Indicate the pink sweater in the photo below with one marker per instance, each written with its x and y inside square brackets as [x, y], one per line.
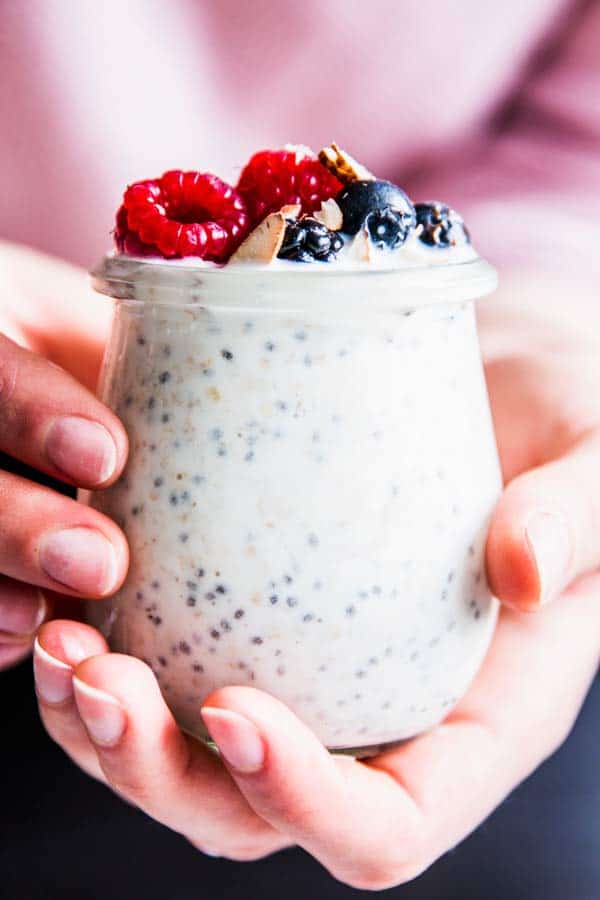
[491, 106]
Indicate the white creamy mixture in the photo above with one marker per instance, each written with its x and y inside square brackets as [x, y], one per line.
[311, 473]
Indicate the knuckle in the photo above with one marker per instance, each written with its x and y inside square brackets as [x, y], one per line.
[132, 788]
[301, 817]
[246, 854]
[244, 851]
[389, 869]
[381, 876]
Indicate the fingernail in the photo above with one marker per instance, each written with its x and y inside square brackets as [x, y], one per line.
[102, 715]
[237, 738]
[53, 677]
[21, 613]
[80, 558]
[550, 542]
[82, 449]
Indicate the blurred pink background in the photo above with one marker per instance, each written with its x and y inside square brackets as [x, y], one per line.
[491, 106]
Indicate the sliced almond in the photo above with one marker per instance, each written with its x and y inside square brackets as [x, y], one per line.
[362, 247]
[330, 215]
[343, 166]
[264, 243]
[291, 211]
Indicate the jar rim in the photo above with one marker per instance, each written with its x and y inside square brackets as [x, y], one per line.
[164, 282]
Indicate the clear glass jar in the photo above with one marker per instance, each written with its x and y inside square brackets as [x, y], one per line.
[312, 469]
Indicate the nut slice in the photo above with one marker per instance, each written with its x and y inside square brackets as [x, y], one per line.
[330, 215]
[362, 249]
[343, 166]
[264, 243]
[291, 211]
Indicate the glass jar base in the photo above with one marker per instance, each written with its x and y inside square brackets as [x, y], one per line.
[368, 751]
[357, 752]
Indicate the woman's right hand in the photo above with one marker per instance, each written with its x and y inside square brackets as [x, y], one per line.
[51, 547]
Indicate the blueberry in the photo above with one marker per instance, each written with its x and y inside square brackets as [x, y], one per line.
[317, 240]
[307, 240]
[293, 239]
[359, 198]
[441, 226]
[337, 241]
[386, 228]
[303, 256]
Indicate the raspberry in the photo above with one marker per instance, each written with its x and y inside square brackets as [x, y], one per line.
[181, 214]
[275, 178]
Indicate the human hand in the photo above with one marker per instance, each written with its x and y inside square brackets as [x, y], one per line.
[377, 823]
[51, 422]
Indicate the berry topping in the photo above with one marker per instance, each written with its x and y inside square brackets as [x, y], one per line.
[181, 214]
[274, 178]
[359, 198]
[308, 241]
[386, 228]
[440, 226]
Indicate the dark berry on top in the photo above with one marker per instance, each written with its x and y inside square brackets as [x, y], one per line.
[359, 198]
[306, 240]
[440, 226]
[386, 228]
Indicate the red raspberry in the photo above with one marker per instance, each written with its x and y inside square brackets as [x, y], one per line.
[274, 178]
[181, 214]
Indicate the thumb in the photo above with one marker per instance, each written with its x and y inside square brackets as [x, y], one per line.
[545, 530]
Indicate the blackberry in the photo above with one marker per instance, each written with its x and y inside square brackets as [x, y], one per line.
[360, 198]
[306, 240]
[441, 226]
[386, 228]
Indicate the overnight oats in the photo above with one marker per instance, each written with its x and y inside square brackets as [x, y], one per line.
[312, 463]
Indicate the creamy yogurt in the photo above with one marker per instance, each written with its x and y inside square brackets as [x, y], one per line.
[312, 470]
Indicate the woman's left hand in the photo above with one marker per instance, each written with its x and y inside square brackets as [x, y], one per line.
[378, 823]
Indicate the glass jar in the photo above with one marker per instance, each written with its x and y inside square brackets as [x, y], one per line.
[312, 469]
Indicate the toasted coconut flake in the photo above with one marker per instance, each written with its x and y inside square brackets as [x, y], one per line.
[343, 166]
[291, 211]
[362, 247]
[264, 243]
[330, 215]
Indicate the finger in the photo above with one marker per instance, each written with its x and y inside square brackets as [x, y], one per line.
[49, 421]
[23, 608]
[145, 757]
[377, 824]
[544, 529]
[349, 817]
[60, 646]
[53, 542]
